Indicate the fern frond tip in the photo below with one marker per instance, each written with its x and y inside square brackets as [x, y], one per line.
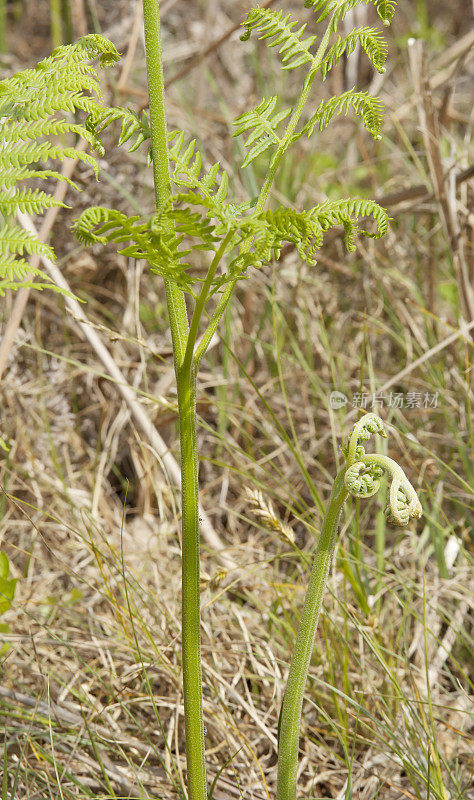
[93, 45]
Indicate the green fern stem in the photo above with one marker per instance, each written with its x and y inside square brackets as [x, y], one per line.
[290, 719]
[56, 22]
[360, 477]
[186, 384]
[161, 173]
[190, 614]
[201, 302]
[294, 119]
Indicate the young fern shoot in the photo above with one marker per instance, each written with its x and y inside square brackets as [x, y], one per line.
[360, 477]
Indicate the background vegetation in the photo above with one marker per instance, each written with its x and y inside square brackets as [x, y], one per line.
[90, 696]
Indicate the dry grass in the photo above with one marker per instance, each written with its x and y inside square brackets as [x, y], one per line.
[90, 696]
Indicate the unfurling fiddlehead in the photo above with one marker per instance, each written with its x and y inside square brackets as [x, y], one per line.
[363, 473]
[360, 477]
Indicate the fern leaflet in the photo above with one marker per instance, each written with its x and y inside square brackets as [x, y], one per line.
[364, 105]
[132, 127]
[263, 126]
[339, 8]
[14, 269]
[187, 171]
[293, 49]
[305, 230]
[151, 240]
[370, 39]
[346, 213]
[30, 201]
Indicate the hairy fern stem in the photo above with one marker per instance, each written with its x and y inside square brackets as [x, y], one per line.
[290, 718]
[186, 385]
[190, 613]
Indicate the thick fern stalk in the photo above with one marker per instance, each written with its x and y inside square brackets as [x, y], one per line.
[186, 382]
[290, 718]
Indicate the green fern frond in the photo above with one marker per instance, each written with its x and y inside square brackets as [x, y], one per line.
[32, 131]
[14, 269]
[385, 9]
[365, 106]
[346, 213]
[98, 225]
[27, 153]
[227, 213]
[193, 225]
[39, 285]
[293, 49]
[149, 240]
[9, 180]
[14, 239]
[263, 126]
[87, 48]
[59, 82]
[370, 40]
[269, 230]
[339, 8]
[265, 235]
[273, 228]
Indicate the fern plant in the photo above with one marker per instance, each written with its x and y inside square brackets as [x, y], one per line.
[194, 218]
[194, 213]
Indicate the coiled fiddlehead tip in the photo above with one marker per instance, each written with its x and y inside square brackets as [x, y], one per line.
[363, 429]
[363, 473]
[362, 480]
[367, 425]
